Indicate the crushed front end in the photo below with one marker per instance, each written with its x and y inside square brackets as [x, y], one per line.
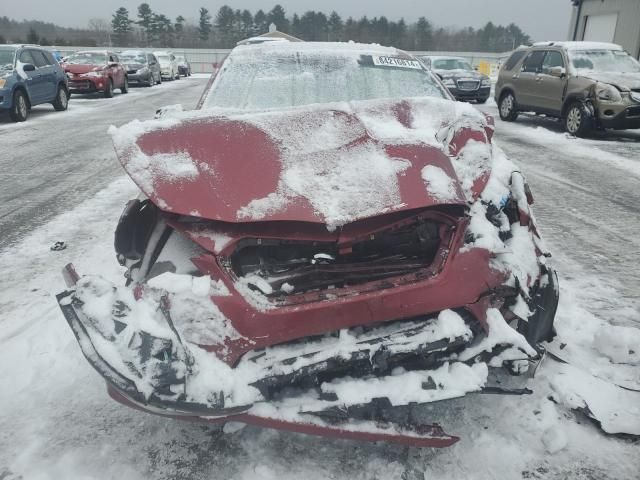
[336, 328]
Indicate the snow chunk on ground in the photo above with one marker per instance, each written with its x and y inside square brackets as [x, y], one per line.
[619, 344]
[439, 184]
[617, 409]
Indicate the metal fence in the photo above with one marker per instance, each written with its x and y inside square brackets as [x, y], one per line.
[205, 60]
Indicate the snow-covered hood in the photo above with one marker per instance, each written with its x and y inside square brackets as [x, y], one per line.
[624, 81]
[330, 164]
[80, 68]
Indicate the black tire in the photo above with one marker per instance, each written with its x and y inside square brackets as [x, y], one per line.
[159, 79]
[61, 101]
[507, 107]
[108, 89]
[578, 119]
[125, 86]
[19, 111]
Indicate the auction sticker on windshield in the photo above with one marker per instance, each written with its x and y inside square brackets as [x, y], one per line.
[383, 61]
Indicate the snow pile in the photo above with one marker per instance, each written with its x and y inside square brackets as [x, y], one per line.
[473, 161]
[439, 184]
[619, 344]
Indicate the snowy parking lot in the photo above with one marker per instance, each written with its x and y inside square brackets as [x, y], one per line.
[60, 182]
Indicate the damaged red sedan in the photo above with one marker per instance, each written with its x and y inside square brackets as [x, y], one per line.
[327, 242]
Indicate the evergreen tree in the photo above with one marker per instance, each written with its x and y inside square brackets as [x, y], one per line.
[423, 34]
[32, 36]
[335, 27]
[121, 26]
[2, 40]
[260, 23]
[204, 26]
[278, 16]
[225, 19]
[145, 15]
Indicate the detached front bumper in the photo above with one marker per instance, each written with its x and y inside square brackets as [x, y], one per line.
[436, 363]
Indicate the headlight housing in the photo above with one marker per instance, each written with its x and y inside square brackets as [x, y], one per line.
[448, 82]
[143, 70]
[98, 73]
[635, 96]
[486, 82]
[2, 82]
[608, 93]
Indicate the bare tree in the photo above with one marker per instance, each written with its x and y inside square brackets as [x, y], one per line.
[102, 30]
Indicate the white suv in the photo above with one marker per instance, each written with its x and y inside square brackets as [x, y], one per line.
[168, 65]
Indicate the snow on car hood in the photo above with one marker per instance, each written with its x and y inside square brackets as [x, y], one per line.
[624, 81]
[330, 164]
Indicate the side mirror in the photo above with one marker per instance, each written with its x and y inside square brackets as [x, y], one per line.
[559, 72]
[28, 67]
[476, 68]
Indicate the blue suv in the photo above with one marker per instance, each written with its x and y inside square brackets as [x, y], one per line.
[30, 75]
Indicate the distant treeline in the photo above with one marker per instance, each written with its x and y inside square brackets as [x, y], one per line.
[146, 27]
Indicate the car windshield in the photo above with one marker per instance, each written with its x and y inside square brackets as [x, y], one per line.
[87, 58]
[604, 61]
[450, 64]
[280, 79]
[163, 58]
[7, 57]
[133, 58]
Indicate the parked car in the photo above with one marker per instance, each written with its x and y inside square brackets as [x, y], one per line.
[460, 78]
[96, 71]
[327, 240]
[586, 84]
[184, 67]
[168, 65]
[142, 67]
[29, 76]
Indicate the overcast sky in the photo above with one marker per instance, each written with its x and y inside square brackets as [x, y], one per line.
[542, 19]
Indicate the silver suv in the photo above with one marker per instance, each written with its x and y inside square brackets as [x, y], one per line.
[586, 84]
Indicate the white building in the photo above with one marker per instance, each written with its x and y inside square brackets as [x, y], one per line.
[616, 21]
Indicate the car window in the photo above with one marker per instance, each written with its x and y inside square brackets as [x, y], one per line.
[533, 62]
[49, 57]
[26, 57]
[151, 58]
[514, 59]
[552, 59]
[39, 59]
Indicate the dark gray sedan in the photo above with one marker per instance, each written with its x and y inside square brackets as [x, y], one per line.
[142, 67]
[460, 78]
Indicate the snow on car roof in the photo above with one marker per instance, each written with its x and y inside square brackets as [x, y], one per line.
[581, 45]
[331, 48]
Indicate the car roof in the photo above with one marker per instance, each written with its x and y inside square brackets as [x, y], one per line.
[580, 45]
[444, 57]
[328, 48]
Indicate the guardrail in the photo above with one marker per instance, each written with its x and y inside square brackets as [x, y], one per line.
[205, 60]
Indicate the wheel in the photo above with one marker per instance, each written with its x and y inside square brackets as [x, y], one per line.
[177, 76]
[159, 79]
[108, 89]
[125, 86]
[508, 108]
[578, 120]
[61, 101]
[20, 109]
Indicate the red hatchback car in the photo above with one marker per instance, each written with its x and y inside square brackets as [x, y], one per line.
[326, 243]
[95, 71]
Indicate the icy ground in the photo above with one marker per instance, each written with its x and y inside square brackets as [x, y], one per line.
[56, 421]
